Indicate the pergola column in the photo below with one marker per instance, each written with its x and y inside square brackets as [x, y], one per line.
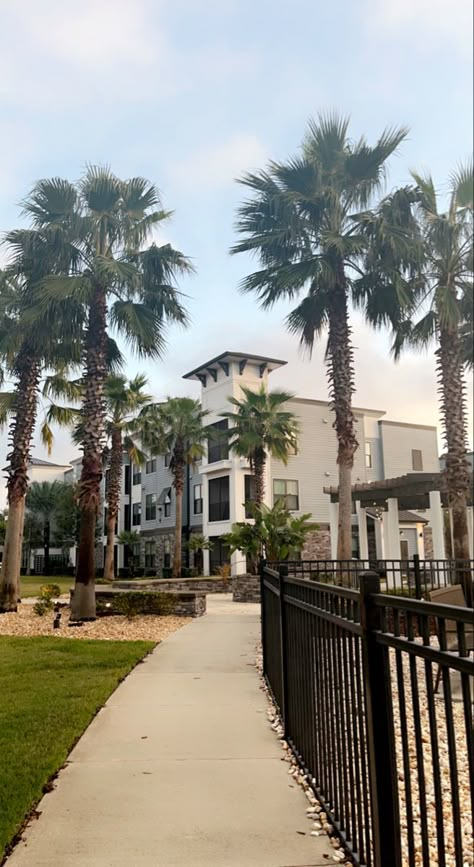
[363, 539]
[333, 527]
[437, 525]
[470, 531]
[379, 538]
[393, 530]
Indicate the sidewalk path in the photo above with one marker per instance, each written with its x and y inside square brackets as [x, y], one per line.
[180, 768]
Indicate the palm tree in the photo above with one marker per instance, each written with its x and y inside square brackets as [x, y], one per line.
[301, 221]
[124, 399]
[28, 343]
[123, 287]
[43, 500]
[443, 302]
[260, 425]
[176, 428]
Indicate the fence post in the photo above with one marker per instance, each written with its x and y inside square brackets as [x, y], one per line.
[383, 778]
[263, 563]
[417, 571]
[283, 573]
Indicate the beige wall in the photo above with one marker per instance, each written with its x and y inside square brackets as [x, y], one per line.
[399, 439]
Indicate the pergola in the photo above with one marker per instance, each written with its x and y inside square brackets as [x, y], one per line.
[413, 491]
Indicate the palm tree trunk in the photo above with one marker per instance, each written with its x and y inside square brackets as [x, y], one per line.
[178, 486]
[259, 476]
[28, 371]
[453, 409]
[113, 499]
[83, 603]
[341, 378]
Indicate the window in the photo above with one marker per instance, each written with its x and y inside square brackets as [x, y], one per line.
[136, 554]
[126, 518]
[218, 554]
[150, 507]
[136, 514]
[164, 502]
[149, 555]
[198, 499]
[217, 443]
[167, 459]
[219, 499]
[150, 466]
[167, 505]
[136, 475]
[417, 459]
[368, 455]
[127, 479]
[287, 491]
[249, 494]
[167, 555]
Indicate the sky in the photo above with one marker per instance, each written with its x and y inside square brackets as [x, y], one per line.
[191, 94]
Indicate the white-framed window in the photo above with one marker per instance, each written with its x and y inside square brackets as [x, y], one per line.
[287, 490]
[368, 455]
[197, 499]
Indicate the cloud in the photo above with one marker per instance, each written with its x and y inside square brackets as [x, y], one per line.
[425, 21]
[216, 166]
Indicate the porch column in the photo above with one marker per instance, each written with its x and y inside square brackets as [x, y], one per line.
[470, 531]
[206, 562]
[363, 540]
[437, 525]
[333, 526]
[393, 528]
[379, 538]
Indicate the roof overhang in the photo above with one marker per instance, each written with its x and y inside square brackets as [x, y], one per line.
[411, 490]
[223, 360]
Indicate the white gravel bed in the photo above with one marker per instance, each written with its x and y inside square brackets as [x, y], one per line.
[319, 819]
[113, 628]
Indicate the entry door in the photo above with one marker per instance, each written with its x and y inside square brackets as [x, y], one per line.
[408, 543]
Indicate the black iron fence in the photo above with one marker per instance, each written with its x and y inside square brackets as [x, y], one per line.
[411, 577]
[375, 695]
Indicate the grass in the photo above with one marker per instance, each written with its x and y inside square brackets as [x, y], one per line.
[50, 689]
[30, 584]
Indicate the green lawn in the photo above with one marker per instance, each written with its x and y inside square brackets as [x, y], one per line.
[50, 689]
[30, 584]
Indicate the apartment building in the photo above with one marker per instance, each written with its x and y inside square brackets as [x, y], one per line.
[217, 489]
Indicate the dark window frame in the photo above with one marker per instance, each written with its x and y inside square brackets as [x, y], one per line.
[219, 508]
[136, 514]
[150, 507]
[249, 488]
[150, 555]
[218, 446]
[150, 466]
[136, 475]
[368, 455]
[417, 457]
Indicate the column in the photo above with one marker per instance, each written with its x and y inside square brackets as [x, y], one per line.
[437, 525]
[333, 527]
[394, 550]
[206, 562]
[470, 531]
[379, 538]
[363, 540]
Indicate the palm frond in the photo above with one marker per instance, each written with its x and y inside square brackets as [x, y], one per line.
[462, 186]
[140, 327]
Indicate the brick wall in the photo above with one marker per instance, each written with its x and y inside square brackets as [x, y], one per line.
[317, 545]
[246, 588]
[198, 585]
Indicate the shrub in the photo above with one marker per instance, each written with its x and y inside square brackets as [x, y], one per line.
[124, 572]
[224, 572]
[140, 602]
[43, 605]
[139, 572]
[50, 591]
[150, 573]
[167, 572]
[189, 572]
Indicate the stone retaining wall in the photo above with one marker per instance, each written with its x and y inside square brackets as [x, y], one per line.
[186, 603]
[246, 588]
[317, 545]
[196, 585]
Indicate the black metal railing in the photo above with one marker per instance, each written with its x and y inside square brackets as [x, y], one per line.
[413, 577]
[374, 692]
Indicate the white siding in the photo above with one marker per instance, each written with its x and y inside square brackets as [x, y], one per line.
[398, 440]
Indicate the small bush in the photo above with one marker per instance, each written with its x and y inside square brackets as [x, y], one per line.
[187, 572]
[167, 572]
[43, 605]
[124, 572]
[135, 603]
[50, 591]
[150, 573]
[139, 572]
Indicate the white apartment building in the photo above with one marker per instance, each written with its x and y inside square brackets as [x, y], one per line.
[217, 489]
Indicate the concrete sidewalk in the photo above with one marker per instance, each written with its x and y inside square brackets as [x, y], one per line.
[180, 767]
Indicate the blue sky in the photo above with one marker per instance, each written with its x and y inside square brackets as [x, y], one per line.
[191, 93]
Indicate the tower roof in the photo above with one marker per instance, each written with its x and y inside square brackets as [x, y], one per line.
[242, 358]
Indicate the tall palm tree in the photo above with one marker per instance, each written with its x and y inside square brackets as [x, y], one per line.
[124, 399]
[261, 425]
[176, 428]
[43, 501]
[122, 286]
[29, 343]
[443, 315]
[301, 221]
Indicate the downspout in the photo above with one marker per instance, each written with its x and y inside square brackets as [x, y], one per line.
[188, 513]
